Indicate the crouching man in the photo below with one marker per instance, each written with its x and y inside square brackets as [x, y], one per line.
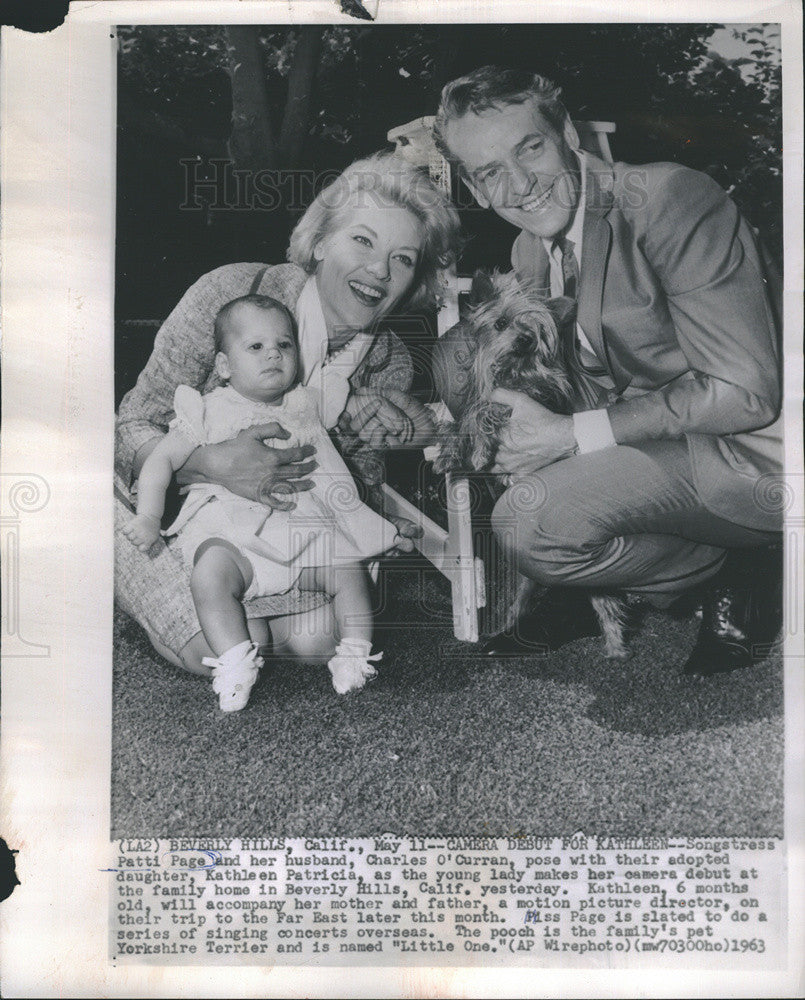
[658, 486]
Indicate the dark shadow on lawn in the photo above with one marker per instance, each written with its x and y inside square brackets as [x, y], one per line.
[646, 695]
[649, 694]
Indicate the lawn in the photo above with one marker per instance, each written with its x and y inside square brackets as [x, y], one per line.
[443, 742]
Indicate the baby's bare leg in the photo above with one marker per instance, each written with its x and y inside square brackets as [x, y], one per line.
[221, 576]
[352, 665]
[348, 585]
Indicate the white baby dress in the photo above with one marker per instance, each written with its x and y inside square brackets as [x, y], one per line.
[330, 525]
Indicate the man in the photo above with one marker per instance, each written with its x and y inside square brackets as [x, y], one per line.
[674, 350]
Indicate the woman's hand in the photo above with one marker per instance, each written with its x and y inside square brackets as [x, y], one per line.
[391, 419]
[248, 467]
[407, 531]
[533, 438]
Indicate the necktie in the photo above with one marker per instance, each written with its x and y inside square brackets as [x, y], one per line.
[584, 364]
[570, 268]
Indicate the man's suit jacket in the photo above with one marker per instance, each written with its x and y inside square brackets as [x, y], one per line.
[675, 299]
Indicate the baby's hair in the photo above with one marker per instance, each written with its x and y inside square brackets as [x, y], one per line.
[262, 302]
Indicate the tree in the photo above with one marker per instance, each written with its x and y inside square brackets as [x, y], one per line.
[254, 144]
[298, 104]
[320, 96]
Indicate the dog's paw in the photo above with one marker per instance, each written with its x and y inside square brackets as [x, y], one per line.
[452, 444]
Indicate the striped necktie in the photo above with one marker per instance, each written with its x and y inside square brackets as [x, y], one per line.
[570, 268]
[584, 364]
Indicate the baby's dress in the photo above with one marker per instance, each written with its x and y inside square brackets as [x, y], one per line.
[330, 525]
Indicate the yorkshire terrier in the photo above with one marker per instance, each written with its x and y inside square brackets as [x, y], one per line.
[513, 342]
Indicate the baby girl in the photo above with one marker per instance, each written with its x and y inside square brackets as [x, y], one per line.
[240, 549]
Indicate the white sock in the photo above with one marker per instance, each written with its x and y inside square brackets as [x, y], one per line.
[235, 654]
[354, 647]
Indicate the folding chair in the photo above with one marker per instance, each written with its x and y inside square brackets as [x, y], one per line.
[451, 551]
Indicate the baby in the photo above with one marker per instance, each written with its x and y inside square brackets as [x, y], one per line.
[240, 549]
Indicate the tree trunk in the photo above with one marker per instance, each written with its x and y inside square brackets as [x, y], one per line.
[252, 144]
[443, 64]
[301, 80]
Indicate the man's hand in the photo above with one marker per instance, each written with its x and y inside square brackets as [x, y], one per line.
[391, 419]
[248, 467]
[142, 530]
[533, 438]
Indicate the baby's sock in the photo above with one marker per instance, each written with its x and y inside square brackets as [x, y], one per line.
[351, 667]
[354, 647]
[234, 674]
[235, 654]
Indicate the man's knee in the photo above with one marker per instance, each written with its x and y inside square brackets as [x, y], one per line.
[519, 519]
[537, 547]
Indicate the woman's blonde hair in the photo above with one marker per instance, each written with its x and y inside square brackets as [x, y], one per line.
[400, 182]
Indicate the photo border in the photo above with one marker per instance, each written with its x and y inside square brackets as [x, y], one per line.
[57, 252]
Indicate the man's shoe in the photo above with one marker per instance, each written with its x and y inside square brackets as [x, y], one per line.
[560, 616]
[723, 643]
[741, 614]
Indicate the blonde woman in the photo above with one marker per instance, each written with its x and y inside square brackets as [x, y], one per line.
[371, 243]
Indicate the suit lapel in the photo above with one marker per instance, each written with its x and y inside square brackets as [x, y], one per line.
[594, 260]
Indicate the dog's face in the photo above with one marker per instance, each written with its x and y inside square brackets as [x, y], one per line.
[516, 341]
[515, 344]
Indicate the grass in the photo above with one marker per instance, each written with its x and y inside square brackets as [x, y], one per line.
[444, 743]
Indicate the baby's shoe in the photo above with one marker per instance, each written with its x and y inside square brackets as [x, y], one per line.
[351, 667]
[234, 674]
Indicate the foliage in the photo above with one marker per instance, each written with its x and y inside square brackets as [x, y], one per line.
[756, 182]
[670, 96]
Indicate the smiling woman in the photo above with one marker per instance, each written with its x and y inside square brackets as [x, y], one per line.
[372, 242]
[366, 265]
[383, 186]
